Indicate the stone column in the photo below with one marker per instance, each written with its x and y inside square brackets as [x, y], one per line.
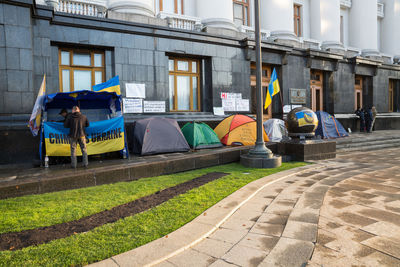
[138, 7]
[277, 17]
[216, 13]
[363, 26]
[325, 23]
[390, 25]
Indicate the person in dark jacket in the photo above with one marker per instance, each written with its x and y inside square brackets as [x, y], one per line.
[360, 113]
[77, 122]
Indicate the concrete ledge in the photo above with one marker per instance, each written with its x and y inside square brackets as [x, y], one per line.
[200, 228]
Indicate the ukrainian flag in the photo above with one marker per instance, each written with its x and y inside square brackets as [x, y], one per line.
[273, 89]
[111, 85]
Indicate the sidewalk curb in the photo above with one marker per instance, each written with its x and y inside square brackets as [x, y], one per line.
[201, 227]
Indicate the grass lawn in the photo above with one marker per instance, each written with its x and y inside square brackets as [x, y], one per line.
[103, 242]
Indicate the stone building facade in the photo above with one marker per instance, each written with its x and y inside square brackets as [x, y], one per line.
[188, 52]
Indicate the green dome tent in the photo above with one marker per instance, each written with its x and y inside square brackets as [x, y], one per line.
[200, 135]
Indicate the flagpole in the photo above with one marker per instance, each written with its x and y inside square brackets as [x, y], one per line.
[281, 95]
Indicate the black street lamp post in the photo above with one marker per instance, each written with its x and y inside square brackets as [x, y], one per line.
[260, 156]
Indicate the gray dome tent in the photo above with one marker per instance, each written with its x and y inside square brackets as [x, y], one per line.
[158, 135]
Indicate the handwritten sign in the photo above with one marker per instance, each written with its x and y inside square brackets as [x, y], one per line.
[229, 104]
[242, 105]
[133, 105]
[154, 106]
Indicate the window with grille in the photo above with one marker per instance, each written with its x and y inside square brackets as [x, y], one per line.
[80, 69]
[184, 84]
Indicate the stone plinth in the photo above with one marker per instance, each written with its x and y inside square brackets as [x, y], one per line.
[303, 150]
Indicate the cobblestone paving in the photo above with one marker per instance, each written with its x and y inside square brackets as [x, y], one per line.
[343, 213]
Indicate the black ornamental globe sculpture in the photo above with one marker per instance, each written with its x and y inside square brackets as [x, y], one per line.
[301, 121]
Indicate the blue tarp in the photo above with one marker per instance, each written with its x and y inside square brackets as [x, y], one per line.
[84, 99]
[329, 127]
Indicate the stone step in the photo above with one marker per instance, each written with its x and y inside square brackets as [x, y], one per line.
[362, 144]
[369, 148]
[365, 139]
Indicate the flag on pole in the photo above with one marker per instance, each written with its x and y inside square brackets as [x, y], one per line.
[36, 116]
[111, 85]
[273, 89]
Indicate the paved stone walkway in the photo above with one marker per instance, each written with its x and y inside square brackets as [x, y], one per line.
[346, 213]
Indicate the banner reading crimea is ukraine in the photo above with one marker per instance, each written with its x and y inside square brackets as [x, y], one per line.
[103, 136]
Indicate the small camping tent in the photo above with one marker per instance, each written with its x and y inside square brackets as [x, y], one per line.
[329, 127]
[200, 135]
[275, 129]
[238, 129]
[158, 135]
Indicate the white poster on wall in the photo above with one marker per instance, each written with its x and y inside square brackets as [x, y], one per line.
[154, 106]
[132, 105]
[229, 104]
[219, 111]
[242, 105]
[137, 90]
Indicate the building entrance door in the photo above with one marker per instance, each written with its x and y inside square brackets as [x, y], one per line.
[391, 95]
[266, 77]
[358, 93]
[316, 86]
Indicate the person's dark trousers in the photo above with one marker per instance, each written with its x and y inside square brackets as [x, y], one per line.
[362, 125]
[368, 125]
[82, 144]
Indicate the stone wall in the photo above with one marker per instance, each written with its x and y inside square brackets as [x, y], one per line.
[30, 38]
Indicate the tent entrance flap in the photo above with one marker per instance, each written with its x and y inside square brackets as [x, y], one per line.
[329, 127]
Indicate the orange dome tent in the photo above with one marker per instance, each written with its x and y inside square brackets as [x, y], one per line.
[238, 129]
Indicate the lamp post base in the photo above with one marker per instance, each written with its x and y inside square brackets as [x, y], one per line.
[252, 160]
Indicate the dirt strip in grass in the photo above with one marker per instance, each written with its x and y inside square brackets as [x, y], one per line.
[18, 240]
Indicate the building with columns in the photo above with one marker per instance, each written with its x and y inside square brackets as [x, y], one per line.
[336, 54]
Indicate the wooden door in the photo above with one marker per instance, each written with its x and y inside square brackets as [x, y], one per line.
[358, 95]
[316, 86]
[391, 95]
[266, 77]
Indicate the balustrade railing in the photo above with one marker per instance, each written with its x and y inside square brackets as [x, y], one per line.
[181, 22]
[249, 31]
[82, 8]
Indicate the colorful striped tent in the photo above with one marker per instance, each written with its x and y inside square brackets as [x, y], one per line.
[238, 130]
